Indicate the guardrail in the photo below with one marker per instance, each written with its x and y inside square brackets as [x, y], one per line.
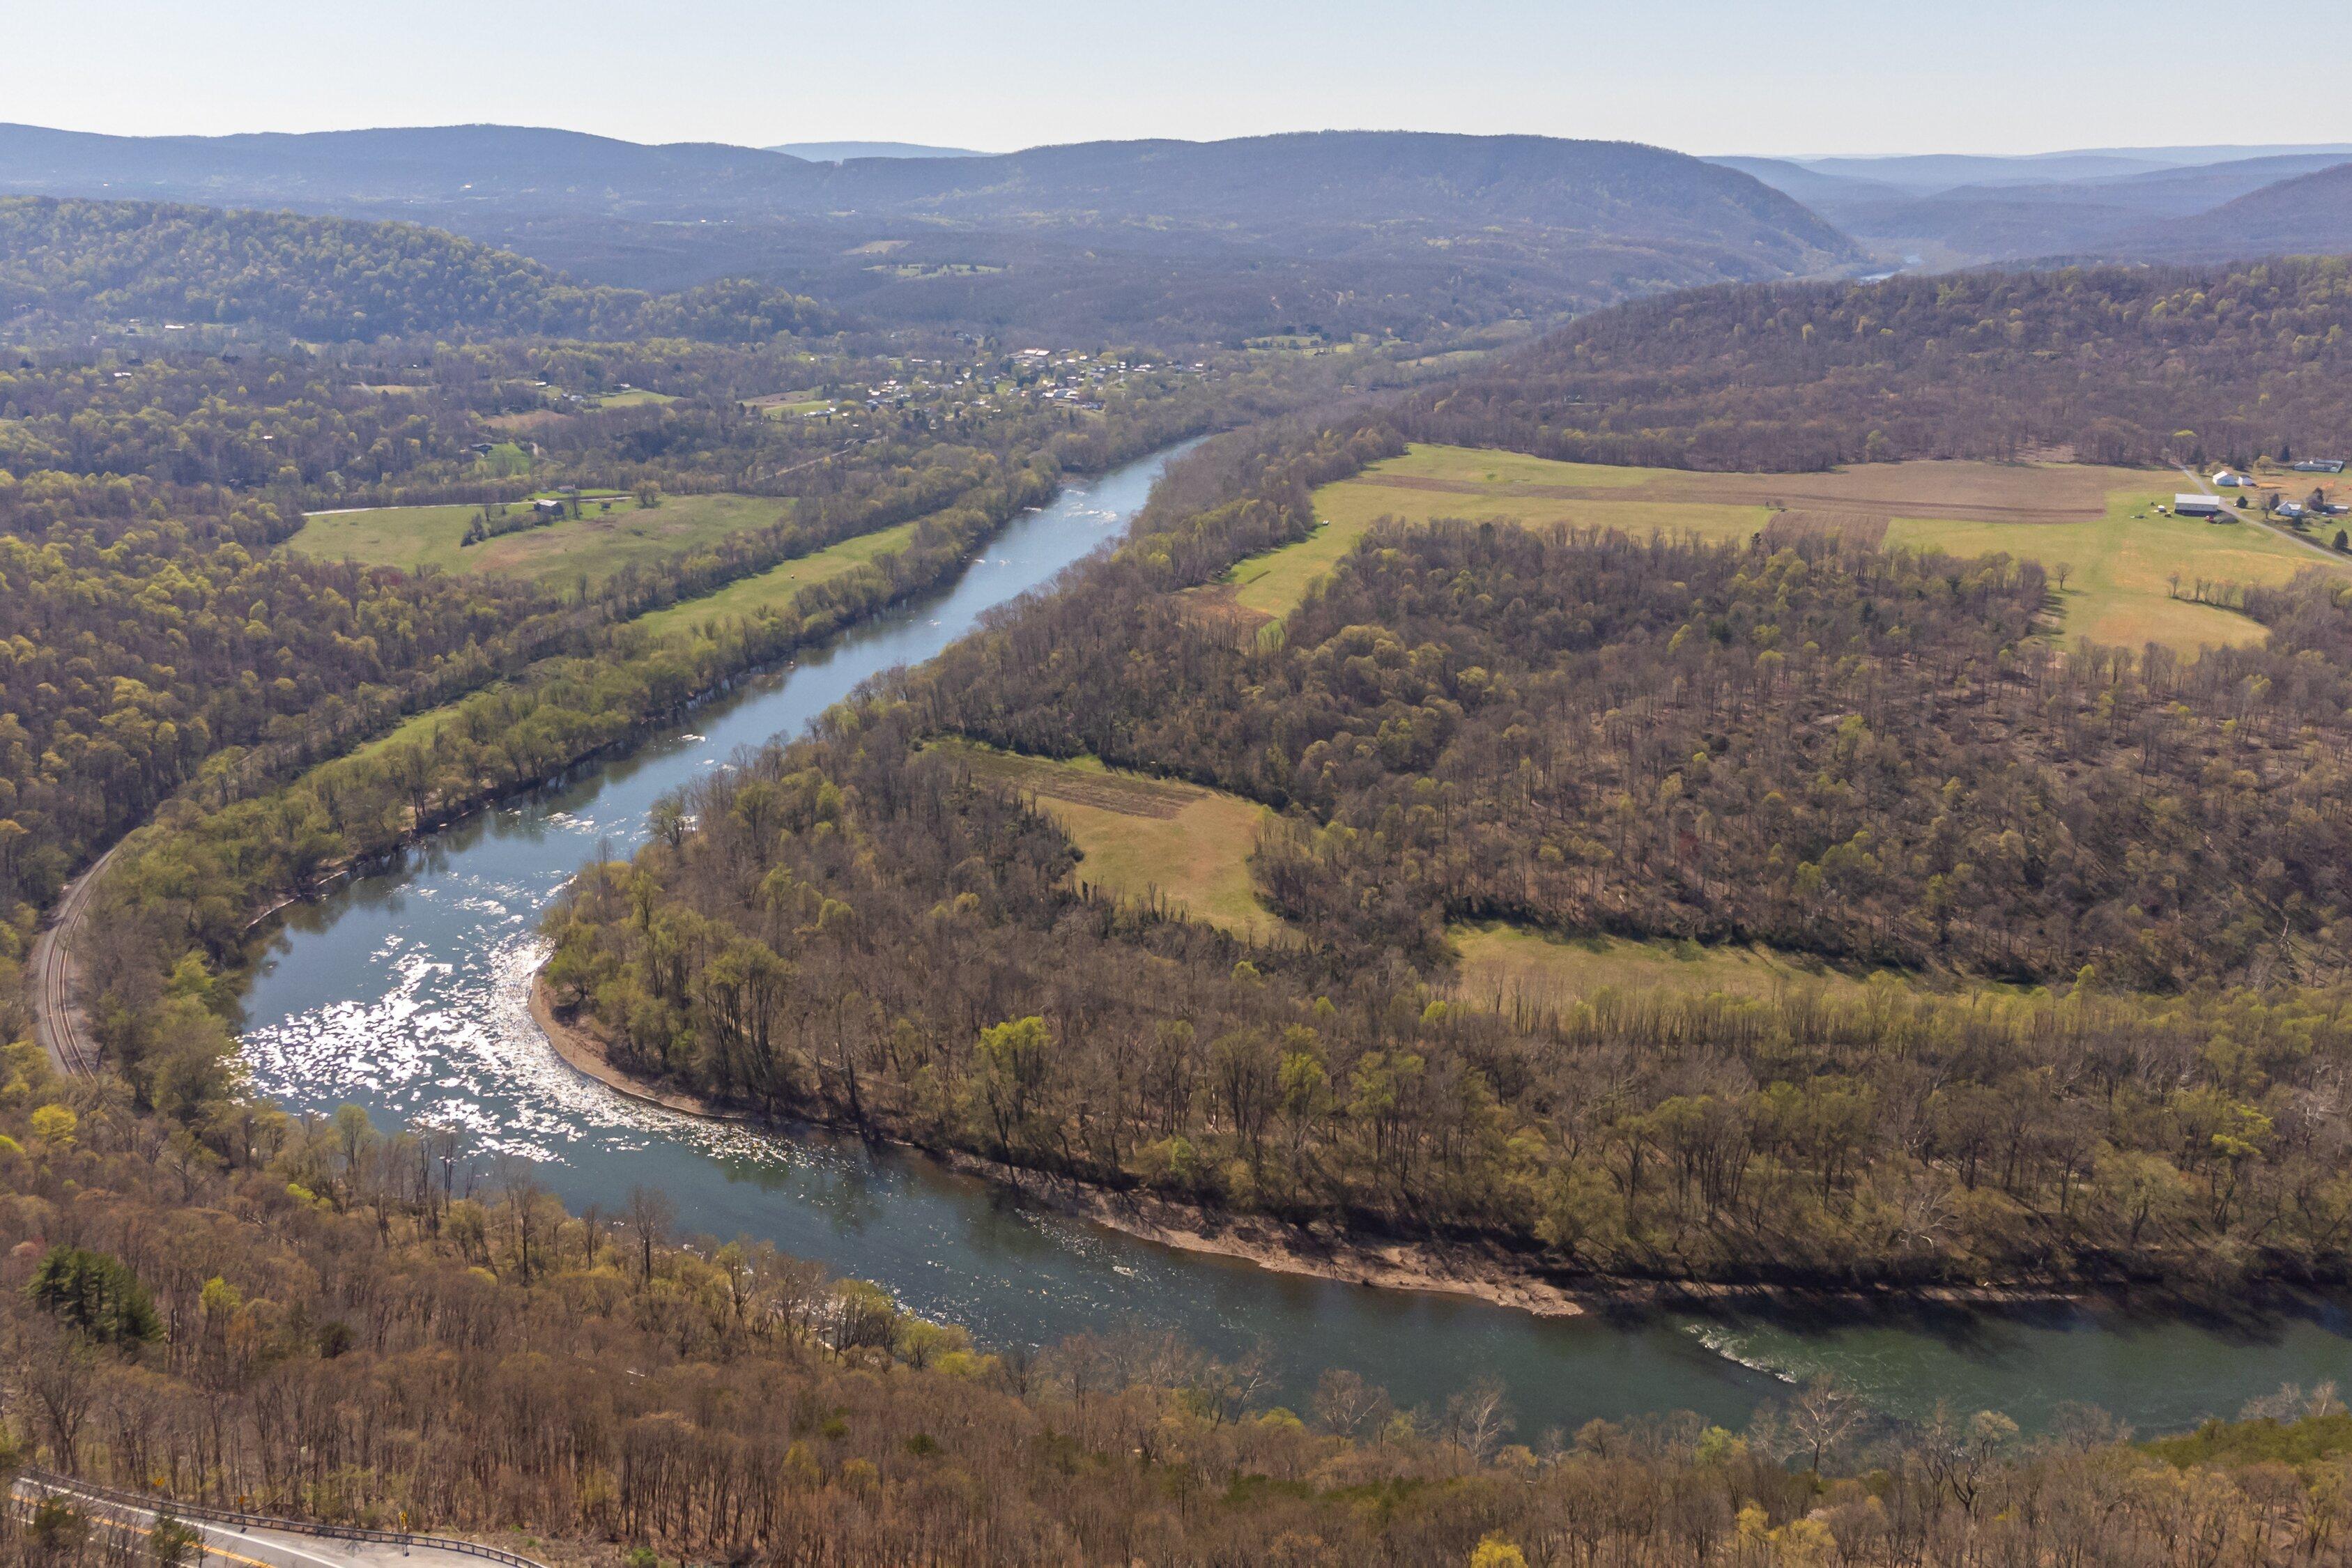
[115, 1497]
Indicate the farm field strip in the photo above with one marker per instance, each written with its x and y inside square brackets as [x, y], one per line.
[596, 544]
[2100, 522]
[775, 588]
[772, 589]
[1506, 966]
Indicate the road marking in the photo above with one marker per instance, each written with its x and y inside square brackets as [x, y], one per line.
[108, 1513]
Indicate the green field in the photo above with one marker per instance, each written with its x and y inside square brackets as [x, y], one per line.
[1274, 583]
[636, 398]
[774, 589]
[596, 544]
[742, 597]
[2100, 522]
[795, 409]
[2119, 592]
[1142, 837]
[1504, 963]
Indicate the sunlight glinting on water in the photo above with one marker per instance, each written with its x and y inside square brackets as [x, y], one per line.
[406, 991]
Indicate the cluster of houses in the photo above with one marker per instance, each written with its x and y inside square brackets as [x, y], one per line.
[2215, 506]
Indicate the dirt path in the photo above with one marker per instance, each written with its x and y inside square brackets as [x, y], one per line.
[2286, 533]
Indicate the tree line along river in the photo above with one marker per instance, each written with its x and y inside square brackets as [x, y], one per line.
[405, 992]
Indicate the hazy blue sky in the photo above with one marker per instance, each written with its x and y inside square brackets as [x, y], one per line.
[1709, 75]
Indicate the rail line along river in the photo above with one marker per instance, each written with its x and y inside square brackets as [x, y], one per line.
[405, 992]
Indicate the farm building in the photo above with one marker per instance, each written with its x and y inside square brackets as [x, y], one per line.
[2197, 506]
[2227, 478]
[2320, 466]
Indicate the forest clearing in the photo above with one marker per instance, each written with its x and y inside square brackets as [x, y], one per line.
[1145, 839]
[1510, 968]
[2134, 575]
[594, 545]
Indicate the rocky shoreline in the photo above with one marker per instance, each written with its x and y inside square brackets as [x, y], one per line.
[1484, 1274]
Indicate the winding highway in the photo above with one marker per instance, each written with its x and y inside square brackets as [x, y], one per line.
[251, 1541]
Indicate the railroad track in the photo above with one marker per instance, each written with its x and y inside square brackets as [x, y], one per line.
[55, 1022]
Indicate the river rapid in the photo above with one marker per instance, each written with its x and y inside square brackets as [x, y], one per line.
[405, 992]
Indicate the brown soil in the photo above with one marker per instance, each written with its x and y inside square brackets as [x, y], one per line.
[1965, 492]
[587, 1054]
[1121, 792]
[1867, 529]
[1217, 607]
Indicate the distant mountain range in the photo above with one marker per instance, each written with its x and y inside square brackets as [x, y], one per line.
[1329, 233]
[842, 151]
[2123, 204]
[1332, 232]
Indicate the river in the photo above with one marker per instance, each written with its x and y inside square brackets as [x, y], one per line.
[404, 992]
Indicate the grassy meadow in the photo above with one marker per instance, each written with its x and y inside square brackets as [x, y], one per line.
[2100, 522]
[596, 544]
[1503, 965]
[775, 588]
[1142, 837]
[2120, 590]
[636, 398]
[772, 589]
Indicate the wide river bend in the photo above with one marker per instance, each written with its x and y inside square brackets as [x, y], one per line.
[404, 992]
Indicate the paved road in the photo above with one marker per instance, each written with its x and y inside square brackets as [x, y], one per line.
[257, 1547]
[56, 1024]
[2314, 545]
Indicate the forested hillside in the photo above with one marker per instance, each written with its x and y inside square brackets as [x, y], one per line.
[158, 639]
[1169, 242]
[1853, 755]
[496, 420]
[73, 264]
[2309, 213]
[140, 642]
[2106, 365]
[1862, 755]
[341, 1321]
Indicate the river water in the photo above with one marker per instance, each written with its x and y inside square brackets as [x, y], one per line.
[404, 992]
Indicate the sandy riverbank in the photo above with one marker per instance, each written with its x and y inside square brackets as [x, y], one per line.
[1484, 1275]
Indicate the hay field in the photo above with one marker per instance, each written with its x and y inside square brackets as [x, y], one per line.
[1143, 837]
[594, 545]
[2098, 521]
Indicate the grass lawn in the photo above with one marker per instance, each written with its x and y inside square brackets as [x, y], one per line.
[774, 588]
[1430, 482]
[416, 727]
[2119, 592]
[596, 544]
[1141, 836]
[636, 398]
[741, 597]
[789, 405]
[1502, 963]
[2100, 521]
